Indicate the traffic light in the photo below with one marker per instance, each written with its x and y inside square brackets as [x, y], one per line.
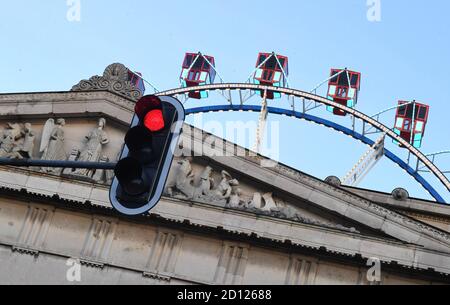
[144, 164]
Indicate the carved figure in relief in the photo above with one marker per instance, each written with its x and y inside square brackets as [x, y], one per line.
[181, 180]
[52, 143]
[8, 139]
[206, 183]
[235, 198]
[25, 149]
[269, 203]
[256, 202]
[225, 187]
[96, 139]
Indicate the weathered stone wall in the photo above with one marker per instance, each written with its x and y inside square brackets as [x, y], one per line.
[36, 240]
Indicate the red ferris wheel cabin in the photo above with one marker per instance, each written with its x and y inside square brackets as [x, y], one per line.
[197, 70]
[343, 88]
[271, 70]
[411, 130]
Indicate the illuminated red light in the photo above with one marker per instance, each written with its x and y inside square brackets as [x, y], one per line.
[154, 120]
[146, 104]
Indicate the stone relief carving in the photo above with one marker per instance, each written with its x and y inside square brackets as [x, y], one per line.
[269, 203]
[17, 142]
[115, 79]
[52, 144]
[25, 149]
[206, 184]
[256, 202]
[101, 175]
[72, 157]
[182, 184]
[235, 198]
[9, 138]
[227, 193]
[225, 187]
[93, 149]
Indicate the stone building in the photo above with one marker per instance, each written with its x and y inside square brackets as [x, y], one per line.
[223, 219]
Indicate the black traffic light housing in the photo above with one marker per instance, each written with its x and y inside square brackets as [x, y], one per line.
[144, 164]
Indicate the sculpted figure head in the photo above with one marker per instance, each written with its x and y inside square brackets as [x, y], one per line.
[207, 173]
[61, 122]
[27, 127]
[102, 123]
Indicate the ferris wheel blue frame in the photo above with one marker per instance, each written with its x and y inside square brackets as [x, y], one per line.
[309, 97]
[317, 120]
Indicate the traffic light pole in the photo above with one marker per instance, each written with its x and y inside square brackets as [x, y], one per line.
[57, 164]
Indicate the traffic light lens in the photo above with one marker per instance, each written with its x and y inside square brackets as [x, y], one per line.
[139, 142]
[129, 173]
[147, 104]
[154, 120]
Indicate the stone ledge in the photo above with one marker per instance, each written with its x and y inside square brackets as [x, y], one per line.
[67, 104]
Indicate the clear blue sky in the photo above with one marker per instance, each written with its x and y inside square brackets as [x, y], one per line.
[404, 56]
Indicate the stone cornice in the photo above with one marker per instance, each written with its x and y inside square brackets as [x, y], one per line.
[362, 202]
[68, 104]
[441, 220]
[410, 205]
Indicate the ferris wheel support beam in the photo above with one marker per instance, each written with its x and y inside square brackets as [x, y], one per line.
[314, 91]
[413, 127]
[302, 94]
[261, 125]
[326, 81]
[365, 163]
[258, 67]
[377, 117]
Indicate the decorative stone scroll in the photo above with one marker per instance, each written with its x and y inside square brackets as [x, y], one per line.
[114, 79]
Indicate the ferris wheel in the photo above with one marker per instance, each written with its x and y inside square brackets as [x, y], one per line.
[269, 80]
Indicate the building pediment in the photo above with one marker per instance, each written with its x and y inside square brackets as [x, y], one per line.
[242, 182]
